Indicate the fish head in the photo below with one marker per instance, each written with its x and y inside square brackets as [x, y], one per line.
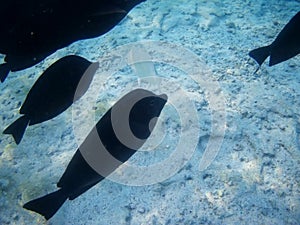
[144, 114]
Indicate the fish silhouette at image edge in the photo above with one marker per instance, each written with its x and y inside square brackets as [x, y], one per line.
[53, 92]
[33, 30]
[79, 175]
[285, 46]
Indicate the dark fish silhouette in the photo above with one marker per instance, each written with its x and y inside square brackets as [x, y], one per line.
[285, 46]
[53, 92]
[81, 175]
[35, 29]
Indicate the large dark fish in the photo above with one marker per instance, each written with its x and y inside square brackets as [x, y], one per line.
[35, 29]
[285, 46]
[81, 174]
[53, 92]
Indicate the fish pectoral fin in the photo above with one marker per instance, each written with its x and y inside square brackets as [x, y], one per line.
[260, 54]
[17, 128]
[47, 205]
[109, 11]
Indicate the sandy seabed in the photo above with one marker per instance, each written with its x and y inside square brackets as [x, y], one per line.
[255, 177]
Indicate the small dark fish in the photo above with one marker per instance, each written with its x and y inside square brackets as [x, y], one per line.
[285, 46]
[80, 175]
[33, 30]
[54, 92]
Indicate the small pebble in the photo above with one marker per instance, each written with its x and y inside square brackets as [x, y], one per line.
[141, 210]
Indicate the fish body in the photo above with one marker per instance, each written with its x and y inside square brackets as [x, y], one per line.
[33, 30]
[53, 92]
[81, 174]
[285, 46]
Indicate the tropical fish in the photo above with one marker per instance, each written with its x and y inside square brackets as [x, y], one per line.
[33, 30]
[54, 92]
[136, 110]
[285, 46]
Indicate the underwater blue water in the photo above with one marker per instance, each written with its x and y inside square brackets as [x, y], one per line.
[235, 134]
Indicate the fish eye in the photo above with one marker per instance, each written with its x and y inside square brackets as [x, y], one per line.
[152, 102]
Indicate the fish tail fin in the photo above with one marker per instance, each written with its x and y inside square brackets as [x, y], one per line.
[17, 128]
[260, 54]
[256, 70]
[47, 205]
[4, 70]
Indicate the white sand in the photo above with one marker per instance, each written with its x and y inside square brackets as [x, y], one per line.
[255, 178]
